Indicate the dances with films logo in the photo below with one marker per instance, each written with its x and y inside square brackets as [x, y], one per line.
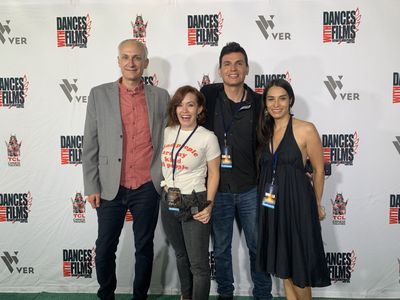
[70, 90]
[204, 30]
[150, 80]
[139, 29]
[394, 209]
[79, 208]
[15, 207]
[341, 26]
[7, 36]
[335, 89]
[340, 148]
[341, 265]
[261, 80]
[267, 28]
[73, 31]
[13, 91]
[339, 209]
[78, 262]
[11, 262]
[396, 88]
[13, 151]
[71, 149]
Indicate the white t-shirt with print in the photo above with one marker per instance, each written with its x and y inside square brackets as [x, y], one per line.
[191, 165]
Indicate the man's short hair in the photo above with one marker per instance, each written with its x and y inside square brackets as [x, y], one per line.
[138, 43]
[232, 47]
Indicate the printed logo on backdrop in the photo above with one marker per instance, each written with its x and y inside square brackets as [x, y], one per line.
[340, 148]
[15, 207]
[13, 91]
[261, 80]
[339, 210]
[71, 149]
[128, 216]
[341, 265]
[73, 31]
[150, 80]
[211, 259]
[335, 89]
[204, 81]
[398, 261]
[139, 29]
[79, 208]
[396, 88]
[204, 30]
[394, 209]
[267, 28]
[340, 26]
[11, 261]
[14, 151]
[6, 35]
[70, 89]
[397, 144]
[78, 262]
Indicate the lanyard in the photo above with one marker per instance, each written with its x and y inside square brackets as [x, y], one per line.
[180, 148]
[274, 161]
[227, 127]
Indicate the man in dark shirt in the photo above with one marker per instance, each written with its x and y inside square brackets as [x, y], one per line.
[232, 113]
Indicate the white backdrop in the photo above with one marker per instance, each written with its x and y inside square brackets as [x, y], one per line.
[349, 88]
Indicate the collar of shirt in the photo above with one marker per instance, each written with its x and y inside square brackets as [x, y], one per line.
[124, 90]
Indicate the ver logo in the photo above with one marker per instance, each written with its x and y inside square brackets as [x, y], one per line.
[9, 260]
[70, 90]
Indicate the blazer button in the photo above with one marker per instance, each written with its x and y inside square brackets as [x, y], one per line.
[121, 136]
[119, 159]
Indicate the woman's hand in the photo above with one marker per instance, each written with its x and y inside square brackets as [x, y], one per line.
[205, 215]
[321, 212]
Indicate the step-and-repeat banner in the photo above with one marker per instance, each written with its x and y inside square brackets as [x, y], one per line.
[342, 58]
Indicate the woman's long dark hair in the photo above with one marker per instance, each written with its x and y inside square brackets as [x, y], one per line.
[266, 123]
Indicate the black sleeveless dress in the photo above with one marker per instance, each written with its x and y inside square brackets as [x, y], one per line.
[290, 243]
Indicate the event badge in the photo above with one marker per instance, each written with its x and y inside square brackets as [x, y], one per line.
[270, 195]
[226, 158]
[271, 189]
[174, 199]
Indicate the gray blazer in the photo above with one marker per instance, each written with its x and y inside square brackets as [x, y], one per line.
[102, 145]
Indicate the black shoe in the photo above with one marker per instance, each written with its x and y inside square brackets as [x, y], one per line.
[220, 297]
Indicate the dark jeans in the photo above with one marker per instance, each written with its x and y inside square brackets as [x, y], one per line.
[143, 203]
[190, 240]
[223, 217]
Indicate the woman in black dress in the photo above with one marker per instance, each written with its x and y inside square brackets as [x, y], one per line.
[290, 243]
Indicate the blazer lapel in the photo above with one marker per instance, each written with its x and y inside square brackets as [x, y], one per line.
[150, 101]
[113, 97]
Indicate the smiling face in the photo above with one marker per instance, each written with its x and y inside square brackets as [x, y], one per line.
[132, 61]
[187, 112]
[233, 69]
[277, 102]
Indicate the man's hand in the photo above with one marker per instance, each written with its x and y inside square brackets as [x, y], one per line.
[94, 200]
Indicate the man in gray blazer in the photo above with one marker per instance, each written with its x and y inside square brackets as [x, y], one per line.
[123, 136]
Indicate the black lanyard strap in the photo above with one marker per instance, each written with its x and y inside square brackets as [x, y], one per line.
[180, 148]
[274, 160]
[227, 127]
